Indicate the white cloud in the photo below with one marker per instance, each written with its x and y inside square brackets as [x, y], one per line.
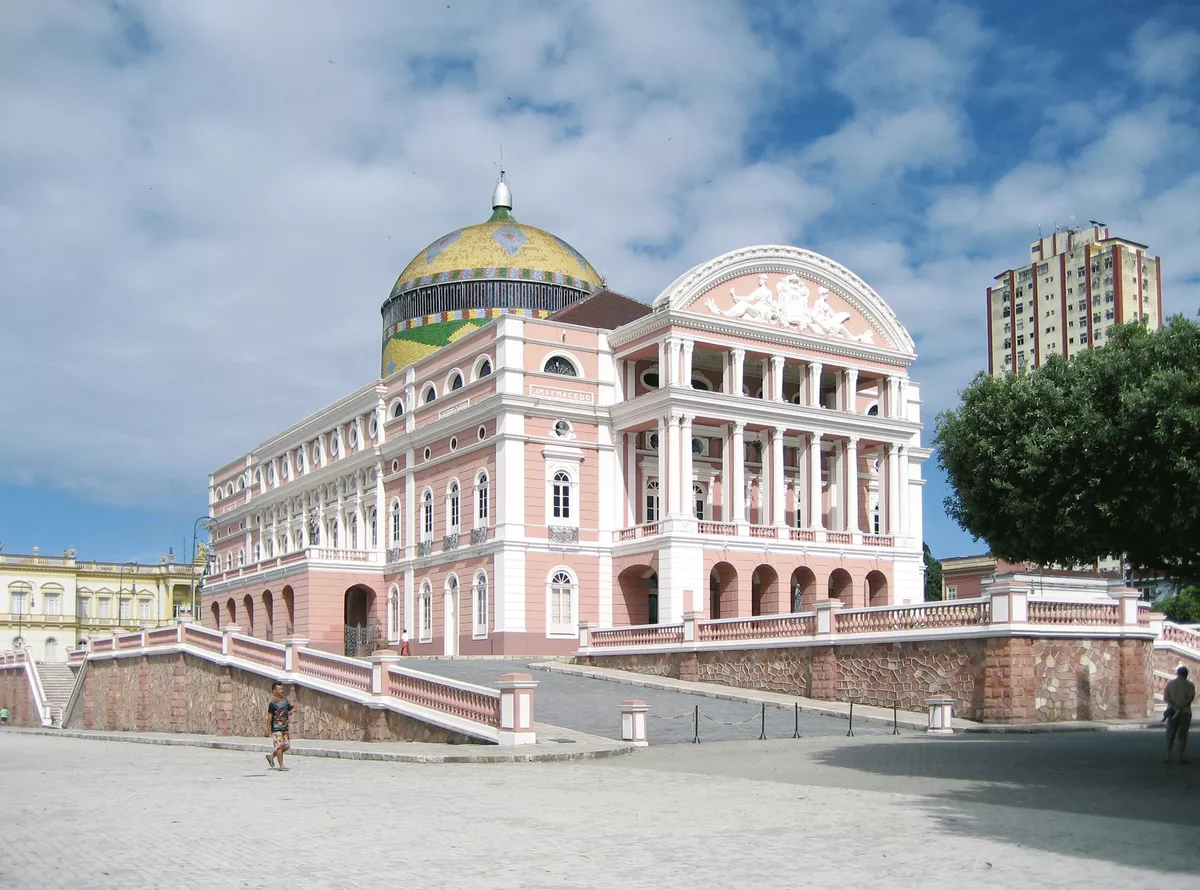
[1162, 55]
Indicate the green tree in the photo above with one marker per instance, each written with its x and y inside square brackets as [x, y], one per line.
[1082, 458]
[1182, 609]
[933, 576]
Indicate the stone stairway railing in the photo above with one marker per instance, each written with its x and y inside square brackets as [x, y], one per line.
[23, 661]
[499, 716]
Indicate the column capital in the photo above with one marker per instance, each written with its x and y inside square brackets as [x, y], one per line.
[777, 361]
[739, 426]
[892, 448]
[674, 418]
[852, 442]
[688, 345]
[814, 437]
[686, 419]
[777, 432]
[737, 352]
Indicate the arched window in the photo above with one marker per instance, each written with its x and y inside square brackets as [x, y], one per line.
[873, 411]
[485, 368]
[560, 365]
[561, 605]
[258, 552]
[561, 496]
[228, 561]
[429, 395]
[453, 508]
[479, 600]
[425, 631]
[353, 542]
[396, 521]
[241, 483]
[51, 649]
[314, 531]
[394, 613]
[699, 501]
[652, 501]
[482, 499]
[258, 478]
[21, 595]
[397, 409]
[456, 381]
[374, 527]
[241, 561]
[427, 515]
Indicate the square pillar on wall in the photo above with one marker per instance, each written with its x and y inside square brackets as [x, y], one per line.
[778, 483]
[737, 374]
[814, 480]
[814, 384]
[852, 484]
[669, 478]
[685, 464]
[737, 483]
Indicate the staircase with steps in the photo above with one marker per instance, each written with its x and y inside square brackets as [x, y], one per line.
[58, 680]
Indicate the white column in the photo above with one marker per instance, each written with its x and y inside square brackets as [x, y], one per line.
[726, 473]
[851, 391]
[381, 510]
[631, 492]
[814, 384]
[814, 480]
[670, 478]
[904, 493]
[685, 377]
[852, 484]
[735, 382]
[737, 484]
[778, 483]
[685, 464]
[672, 372]
[766, 378]
[337, 519]
[776, 378]
[893, 484]
[893, 390]
[902, 399]
[662, 363]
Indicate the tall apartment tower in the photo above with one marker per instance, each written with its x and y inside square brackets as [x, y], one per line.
[1077, 284]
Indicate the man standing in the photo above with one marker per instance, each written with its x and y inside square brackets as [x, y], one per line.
[3, 716]
[404, 642]
[1179, 695]
[279, 717]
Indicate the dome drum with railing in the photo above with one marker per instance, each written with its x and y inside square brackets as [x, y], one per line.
[477, 273]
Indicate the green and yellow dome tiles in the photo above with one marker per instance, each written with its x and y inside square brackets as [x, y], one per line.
[499, 249]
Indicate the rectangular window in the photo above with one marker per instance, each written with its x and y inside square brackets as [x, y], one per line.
[83, 608]
[483, 506]
[1108, 262]
[126, 610]
[1043, 268]
[395, 523]
[19, 604]
[1004, 297]
[144, 609]
[52, 604]
[1081, 272]
[481, 607]
[952, 592]
[1021, 340]
[1020, 308]
[426, 617]
[105, 608]
[428, 522]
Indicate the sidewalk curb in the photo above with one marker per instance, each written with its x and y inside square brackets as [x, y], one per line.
[906, 719]
[338, 753]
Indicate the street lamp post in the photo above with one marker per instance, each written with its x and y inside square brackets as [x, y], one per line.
[210, 526]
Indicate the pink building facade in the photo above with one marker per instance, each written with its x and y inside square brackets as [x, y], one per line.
[748, 444]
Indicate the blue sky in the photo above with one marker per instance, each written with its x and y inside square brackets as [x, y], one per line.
[203, 205]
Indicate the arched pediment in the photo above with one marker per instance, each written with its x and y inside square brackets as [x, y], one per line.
[788, 288]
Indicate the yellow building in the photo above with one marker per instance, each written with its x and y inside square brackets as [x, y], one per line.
[50, 604]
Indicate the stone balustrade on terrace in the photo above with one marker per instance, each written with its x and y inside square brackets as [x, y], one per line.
[764, 532]
[474, 710]
[893, 622]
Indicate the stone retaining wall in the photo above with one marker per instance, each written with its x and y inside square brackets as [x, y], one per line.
[17, 696]
[177, 692]
[998, 680]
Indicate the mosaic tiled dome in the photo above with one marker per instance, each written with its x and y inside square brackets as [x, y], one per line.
[476, 273]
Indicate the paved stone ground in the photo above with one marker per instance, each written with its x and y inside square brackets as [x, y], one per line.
[1098, 810]
[594, 706]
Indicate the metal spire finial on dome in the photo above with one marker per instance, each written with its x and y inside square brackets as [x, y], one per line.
[501, 197]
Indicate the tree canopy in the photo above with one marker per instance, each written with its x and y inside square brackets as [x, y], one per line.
[933, 575]
[1086, 457]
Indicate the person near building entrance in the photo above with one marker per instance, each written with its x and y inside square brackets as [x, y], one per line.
[279, 717]
[1179, 695]
[3, 716]
[404, 642]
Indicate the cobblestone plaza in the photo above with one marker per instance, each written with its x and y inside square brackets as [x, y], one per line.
[870, 811]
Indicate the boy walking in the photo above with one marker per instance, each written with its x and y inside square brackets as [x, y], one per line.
[1179, 695]
[279, 719]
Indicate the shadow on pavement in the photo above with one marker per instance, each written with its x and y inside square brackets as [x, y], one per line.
[1116, 774]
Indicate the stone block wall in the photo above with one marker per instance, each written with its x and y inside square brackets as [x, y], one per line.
[17, 696]
[176, 692]
[1167, 661]
[999, 680]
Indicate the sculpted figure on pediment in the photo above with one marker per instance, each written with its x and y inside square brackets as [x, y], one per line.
[833, 324]
[758, 305]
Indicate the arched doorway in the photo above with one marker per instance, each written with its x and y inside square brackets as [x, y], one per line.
[216, 615]
[637, 600]
[268, 602]
[248, 608]
[841, 587]
[722, 591]
[357, 611]
[230, 611]
[450, 636]
[51, 649]
[877, 589]
[764, 592]
[289, 608]
[804, 590]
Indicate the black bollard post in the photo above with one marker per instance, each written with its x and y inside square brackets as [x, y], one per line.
[850, 730]
[696, 725]
[796, 731]
[895, 723]
[762, 733]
